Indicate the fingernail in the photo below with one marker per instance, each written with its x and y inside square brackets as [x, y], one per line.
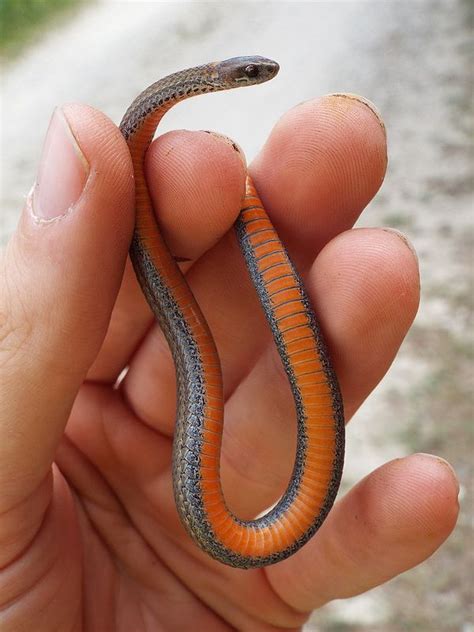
[62, 173]
[403, 238]
[364, 101]
[228, 141]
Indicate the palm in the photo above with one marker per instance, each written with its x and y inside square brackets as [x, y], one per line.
[112, 553]
[130, 536]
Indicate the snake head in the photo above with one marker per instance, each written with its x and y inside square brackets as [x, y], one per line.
[240, 71]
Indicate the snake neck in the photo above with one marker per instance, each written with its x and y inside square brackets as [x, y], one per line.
[153, 103]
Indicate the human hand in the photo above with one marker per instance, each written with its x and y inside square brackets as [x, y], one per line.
[94, 542]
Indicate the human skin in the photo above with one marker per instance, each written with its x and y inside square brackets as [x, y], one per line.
[89, 534]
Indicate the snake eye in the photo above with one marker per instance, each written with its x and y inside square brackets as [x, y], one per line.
[251, 71]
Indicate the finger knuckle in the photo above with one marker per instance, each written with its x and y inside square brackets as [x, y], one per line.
[16, 326]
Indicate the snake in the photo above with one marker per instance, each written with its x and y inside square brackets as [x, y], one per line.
[273, 536]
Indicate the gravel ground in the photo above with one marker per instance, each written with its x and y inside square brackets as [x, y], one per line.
[414, 61]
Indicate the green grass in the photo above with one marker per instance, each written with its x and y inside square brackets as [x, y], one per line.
[21, 21]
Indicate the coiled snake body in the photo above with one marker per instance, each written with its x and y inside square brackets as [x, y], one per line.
[199, 426]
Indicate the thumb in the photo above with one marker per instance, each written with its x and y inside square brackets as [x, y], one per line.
[59, 278]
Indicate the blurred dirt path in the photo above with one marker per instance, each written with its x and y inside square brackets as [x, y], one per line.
[413, 60]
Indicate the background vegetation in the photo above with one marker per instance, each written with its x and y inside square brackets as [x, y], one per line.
[21, 20]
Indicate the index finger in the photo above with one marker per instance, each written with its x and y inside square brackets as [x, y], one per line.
[196, 180]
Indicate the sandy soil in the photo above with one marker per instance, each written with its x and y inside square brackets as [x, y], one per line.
[414, 61]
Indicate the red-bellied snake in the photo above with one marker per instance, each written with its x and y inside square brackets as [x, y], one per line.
[200, 402]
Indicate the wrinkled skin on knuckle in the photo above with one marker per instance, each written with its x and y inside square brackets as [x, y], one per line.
[16, 326]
